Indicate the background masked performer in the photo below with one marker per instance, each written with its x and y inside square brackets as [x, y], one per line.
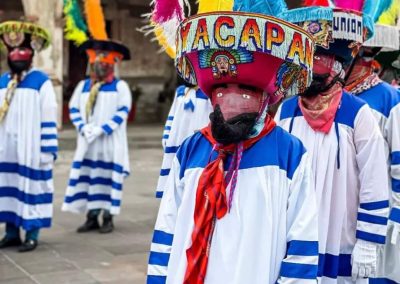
[345, 145]
[384, 100]
[99, 108]
[238, 205]
[28, 135]
[389, 67]
[189, 113]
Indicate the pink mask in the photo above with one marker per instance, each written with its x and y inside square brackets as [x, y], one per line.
[235, 99]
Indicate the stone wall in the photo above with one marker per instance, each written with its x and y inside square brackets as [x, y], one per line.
[148, 69]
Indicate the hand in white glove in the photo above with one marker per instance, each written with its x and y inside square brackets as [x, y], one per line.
[363, 260]
[86, 130]
[94, 134]
[395, 233]
[46, 158]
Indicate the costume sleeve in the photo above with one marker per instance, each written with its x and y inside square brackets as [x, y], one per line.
[48, 135]
[74, 107]
[165, 226]
[124, 106]
[392, 130]
[171, 115]
[301, 262]
[373, 178]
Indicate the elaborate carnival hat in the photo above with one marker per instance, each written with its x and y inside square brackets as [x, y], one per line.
[387, 37]
[386, 34]
[243, 44]
[339, 27]
[114, 49]
[26, 34]
[78, 31]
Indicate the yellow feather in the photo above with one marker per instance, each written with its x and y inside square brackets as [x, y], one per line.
[95, 19]
[159, 33]
[206, 6]
[73, 33]
[390, 16]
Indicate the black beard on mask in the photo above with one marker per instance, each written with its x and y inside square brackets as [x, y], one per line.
[233, 130]
[318, 85]
[17, 67]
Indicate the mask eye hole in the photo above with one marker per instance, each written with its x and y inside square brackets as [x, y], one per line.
[316, 57]
[219, 95]
[245, 96]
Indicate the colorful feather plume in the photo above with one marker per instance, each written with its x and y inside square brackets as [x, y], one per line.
[95, 19]
[323, 3]
[266, 7]
[206, 6]
[374, 8]
[164, 21]
[168, 47]
[350, 4]
[165, 10]
[75, 27]
[390, 16]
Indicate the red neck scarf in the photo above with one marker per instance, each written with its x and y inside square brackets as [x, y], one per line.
[212, 204]
[361, 70]
[362, 77]
[320, 111]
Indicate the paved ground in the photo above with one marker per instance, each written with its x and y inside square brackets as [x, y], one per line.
[67, 257]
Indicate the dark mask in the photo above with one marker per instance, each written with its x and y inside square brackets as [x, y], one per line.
[19, 66]
[319, 85]
[326, 75]
[233, 130]
[102, 71]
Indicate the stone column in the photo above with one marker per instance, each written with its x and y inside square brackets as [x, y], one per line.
[49, 15]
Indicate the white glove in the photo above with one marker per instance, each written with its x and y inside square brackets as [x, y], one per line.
[94, 134]
[395, 233]
[46, 158]
[86, 129]
[364, 260]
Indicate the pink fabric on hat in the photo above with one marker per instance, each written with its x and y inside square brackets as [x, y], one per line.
[261, 73]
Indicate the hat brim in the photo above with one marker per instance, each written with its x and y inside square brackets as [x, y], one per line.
[106, 45]
[337, 31]
[385, 37]
[386, 59]
[27, 28]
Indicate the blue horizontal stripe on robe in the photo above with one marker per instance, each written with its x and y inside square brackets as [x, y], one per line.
[98, 171]
[26, 185]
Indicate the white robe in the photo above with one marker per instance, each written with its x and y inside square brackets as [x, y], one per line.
[271, 230]
[189, 113]
[351, 181]
[99, 169]
[29, 129]
[384, 101]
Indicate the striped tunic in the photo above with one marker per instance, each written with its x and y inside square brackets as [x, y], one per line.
[99, 169]
[189, 113]
[28, 131]
[270, 233]
[384, 101]
[351, 182]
